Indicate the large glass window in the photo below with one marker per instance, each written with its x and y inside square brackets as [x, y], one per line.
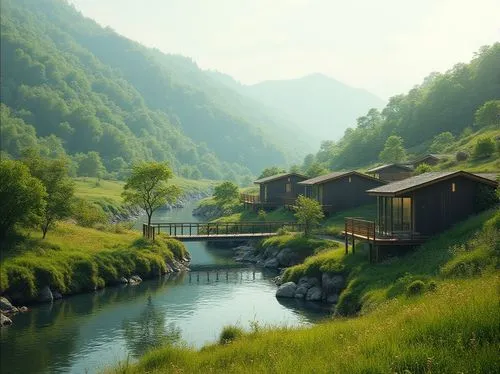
[394, 214]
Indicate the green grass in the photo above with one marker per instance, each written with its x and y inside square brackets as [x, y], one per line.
[277, 215]
[451, 330]
[73, 259]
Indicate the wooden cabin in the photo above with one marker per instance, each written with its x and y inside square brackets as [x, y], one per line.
[276, 191]
[341, 190]
[411, 210]
[391, 172]
[429, 159]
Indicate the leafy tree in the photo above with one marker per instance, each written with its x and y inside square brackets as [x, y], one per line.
[308, 212]
[295, 169]
[90, 165]
[316, 169]
[423, 168]
[441, 141]
[53, 173]
[226, 193]
[147, 187]
[269, 172]
[488, 114]
[87, 214]
[393, 150]
[21, 194]
[484, 148]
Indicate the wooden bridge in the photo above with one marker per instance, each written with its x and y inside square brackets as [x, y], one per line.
[217, 231]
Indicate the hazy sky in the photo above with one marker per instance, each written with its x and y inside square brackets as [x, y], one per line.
[384, 46]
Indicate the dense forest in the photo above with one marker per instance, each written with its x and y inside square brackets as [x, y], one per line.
[69, 86]
[443, 107]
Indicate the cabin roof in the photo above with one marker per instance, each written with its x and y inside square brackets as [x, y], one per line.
[336, 175]
[278, 176]
[431, 155]
[426, 179]
[386, 166]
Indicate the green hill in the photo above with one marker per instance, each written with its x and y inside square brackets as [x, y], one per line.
[80, 87]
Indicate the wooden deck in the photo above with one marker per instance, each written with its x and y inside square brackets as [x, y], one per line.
[254, 202]
[217, 231]
[361, 229]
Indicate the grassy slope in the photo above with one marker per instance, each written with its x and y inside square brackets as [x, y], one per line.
[450, 328]
[73, 259]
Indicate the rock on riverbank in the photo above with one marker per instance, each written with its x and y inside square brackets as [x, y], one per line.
[326, 289]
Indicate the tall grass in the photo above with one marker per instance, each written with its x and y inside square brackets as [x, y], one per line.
[451, 330]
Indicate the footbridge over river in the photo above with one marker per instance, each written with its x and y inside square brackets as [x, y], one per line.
[217, 231]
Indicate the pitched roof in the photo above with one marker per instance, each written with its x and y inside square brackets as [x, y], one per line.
[381, 167]
[425, 179]
[278, 176]
[492, 176]
[336, 175]
[436, 156]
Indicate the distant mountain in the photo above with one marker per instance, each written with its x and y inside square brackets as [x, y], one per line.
[320, 105]
[70, 82]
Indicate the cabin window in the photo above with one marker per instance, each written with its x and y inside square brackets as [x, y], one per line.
[453, 187]
[288, 187]
[349, 179]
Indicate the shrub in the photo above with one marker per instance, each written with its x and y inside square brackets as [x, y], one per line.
[87, 214]
[415, 288]
[484, 148]
[432, 286]
[423, 168]
[261, 215]
[229, 334]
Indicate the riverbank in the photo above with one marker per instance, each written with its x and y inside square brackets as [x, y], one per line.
[434, 309]
[74, 259]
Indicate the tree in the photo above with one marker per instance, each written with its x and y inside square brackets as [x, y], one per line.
[484, 148]
[441, 141]
[393, 150]
[423, 168]
[315, 170]
[147, 187]
[21, 194]
[226, 193]
[53, 173]
[269, 172]
[308, 212]
[295, 169]
[488, 114]
[90, 165]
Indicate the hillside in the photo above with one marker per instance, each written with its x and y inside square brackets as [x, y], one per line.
[448, 112]
[319, 105]
[68, 82]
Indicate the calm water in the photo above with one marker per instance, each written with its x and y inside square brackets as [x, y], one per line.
[85, 333]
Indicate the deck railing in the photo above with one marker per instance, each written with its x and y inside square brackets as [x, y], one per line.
[188, 229]
[249, 198]
[360, 226]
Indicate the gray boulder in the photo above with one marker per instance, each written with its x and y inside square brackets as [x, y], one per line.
[300, 292]
[314, 294]
[332, 299]
[271, 252]
[57, 295]
[5, 305]
[271, 263]
[287, 257]
[4, 320]
[286, 290]
[135, 279]
[45, 295]
[123, 280]
[332, 283]
[23, 309]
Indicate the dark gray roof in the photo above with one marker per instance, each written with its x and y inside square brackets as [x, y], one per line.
[278, 176]
[419, 181]
[335, 175]
[381, 167]
[492, 176]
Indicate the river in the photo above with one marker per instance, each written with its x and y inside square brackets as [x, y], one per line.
[89, 332]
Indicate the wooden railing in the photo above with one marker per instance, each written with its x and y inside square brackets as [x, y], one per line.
[359, 226]
[189, 229]
[249, 198]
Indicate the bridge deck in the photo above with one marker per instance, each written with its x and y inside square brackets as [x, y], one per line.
[215, 237]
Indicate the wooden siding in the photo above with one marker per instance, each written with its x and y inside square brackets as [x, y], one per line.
[437, 207]
[393, 173]
[276, 190]
[344, 193]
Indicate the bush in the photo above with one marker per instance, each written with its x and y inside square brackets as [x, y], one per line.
[415, 288]
[484, 148]
[261, 214]
[461, 156]
[230, 334]
[432, 286]
[423, 168]
[87, 214]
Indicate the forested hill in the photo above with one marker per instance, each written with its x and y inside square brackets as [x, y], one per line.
[320, 105]
[445, 109]
[69, 85]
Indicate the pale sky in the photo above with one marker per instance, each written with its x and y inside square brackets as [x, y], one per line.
[384, 46]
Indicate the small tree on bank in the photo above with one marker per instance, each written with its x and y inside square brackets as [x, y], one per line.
[147, 187]
[393, 150]
[308, 212]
